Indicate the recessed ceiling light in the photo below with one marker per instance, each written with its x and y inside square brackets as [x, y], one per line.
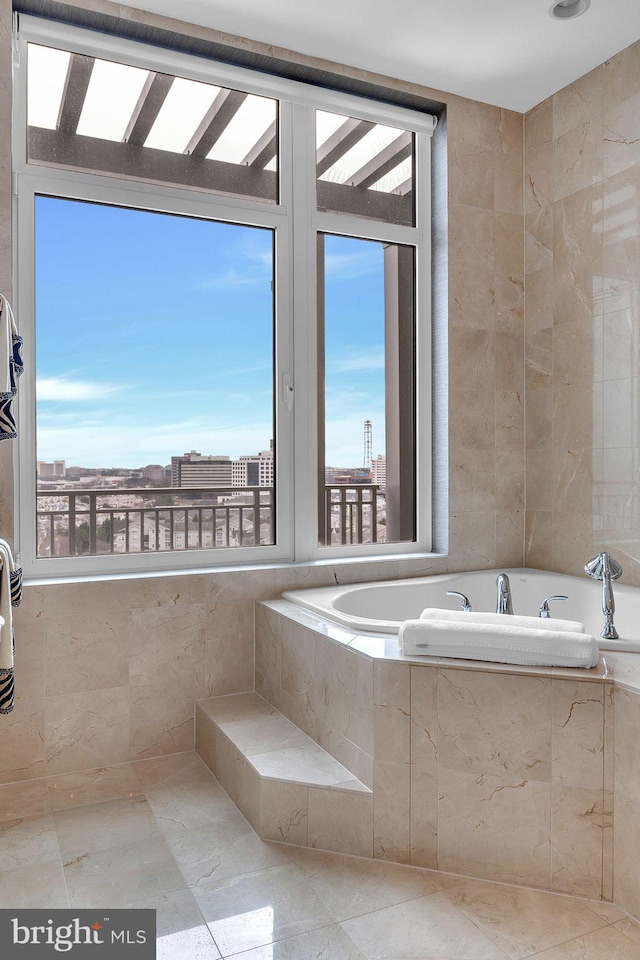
[569, 9]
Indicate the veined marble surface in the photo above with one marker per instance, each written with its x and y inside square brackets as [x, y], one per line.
[162, 834]
[485, 769]
[622, 668]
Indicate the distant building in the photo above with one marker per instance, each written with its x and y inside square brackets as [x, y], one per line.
[346, 475]
[379, 470]
[195, 470]
[253, 471]
[54, 468]
[154, 472]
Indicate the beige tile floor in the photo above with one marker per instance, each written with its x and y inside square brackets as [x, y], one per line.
[162, 833]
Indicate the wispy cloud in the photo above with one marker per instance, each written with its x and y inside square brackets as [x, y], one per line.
[350, 266]
[353, 360]
[134, 442]
[232, 279]
[72, 391]
[250, 262]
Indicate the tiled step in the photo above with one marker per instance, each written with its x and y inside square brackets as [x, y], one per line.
[287, 786]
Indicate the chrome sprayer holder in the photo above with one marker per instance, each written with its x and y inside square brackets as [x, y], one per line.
[605, 568]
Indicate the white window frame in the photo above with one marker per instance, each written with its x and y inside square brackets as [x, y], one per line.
[295, 221]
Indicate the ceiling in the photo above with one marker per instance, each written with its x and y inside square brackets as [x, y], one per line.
[510, 53]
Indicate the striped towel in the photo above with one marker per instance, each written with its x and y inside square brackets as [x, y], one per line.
[11, 367]
[7, 637]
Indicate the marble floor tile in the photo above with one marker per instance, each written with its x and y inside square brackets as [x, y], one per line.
[351, 886]
[121, 875]
[162, 834]
[26, 842]
[256, 909]
[221, 850]
[606, 911]
[101, 826]
[429, 928]
[520, 921]
[630, 927]
[188, 799]
[195, 943]
[181, 933]
[327, 943]
[38, 885]
[192, 807]
[604, 944]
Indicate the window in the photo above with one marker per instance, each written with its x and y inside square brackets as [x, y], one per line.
[223, 284]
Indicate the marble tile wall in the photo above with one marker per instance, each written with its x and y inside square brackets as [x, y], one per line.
[498, 775]
[110, 670]
[582, 316]
[582, 335]
[626, 808]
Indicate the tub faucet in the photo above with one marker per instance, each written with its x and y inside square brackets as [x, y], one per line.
[605, 568]
[504, 604]
[466, 605]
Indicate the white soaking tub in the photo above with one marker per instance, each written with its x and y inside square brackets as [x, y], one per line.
[381, 607]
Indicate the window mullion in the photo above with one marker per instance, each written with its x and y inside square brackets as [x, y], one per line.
[305, 345]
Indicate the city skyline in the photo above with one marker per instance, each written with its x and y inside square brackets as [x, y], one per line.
[129, 301]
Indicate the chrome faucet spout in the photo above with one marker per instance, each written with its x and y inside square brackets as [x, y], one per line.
[504, 603]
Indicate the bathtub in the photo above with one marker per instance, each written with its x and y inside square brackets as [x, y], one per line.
[380, 608]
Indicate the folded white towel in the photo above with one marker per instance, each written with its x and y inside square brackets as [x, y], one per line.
[501, 643]
[501, 619]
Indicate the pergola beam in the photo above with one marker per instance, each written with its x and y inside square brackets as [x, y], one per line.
[154, 94]
[75, 91]
[264, 150]
[343, 139]
[384, 161]
[217, 118]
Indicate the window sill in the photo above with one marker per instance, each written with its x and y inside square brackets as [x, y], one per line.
[350, 562]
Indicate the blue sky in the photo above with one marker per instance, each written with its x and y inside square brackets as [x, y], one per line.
[155, 337]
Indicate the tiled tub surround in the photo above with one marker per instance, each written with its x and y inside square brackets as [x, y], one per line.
[382, 607]
[489, 770]
[110, 670]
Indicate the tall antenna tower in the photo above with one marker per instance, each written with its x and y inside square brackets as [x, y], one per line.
[368, 445]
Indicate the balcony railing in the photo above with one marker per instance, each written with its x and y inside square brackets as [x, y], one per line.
[90, 522]
[93, 522]
[354, 514]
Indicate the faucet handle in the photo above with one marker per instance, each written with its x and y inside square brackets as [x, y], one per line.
[466, 606]
[544, 606]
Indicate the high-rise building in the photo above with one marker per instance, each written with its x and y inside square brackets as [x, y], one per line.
[254, 471]
[379, 470]
[195, 470]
